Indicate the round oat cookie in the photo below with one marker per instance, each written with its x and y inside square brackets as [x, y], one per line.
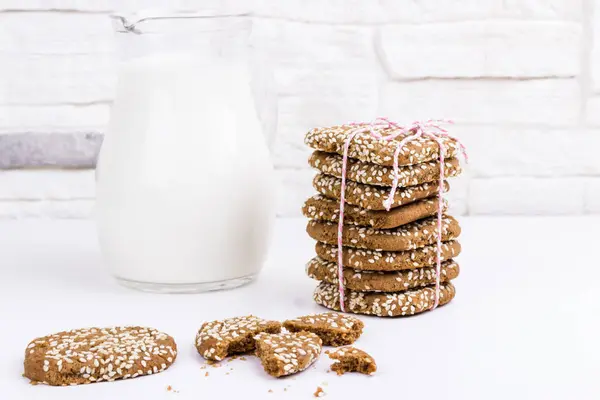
[321, 208]
[365, 147]
[372, 197]
[376, 281]
[394, 304]
[377, 175]
[90, 355]
[374, 260]
[407, 237]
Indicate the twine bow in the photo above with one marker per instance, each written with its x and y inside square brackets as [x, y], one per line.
[431, 129]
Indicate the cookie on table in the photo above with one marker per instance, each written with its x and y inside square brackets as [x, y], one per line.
[365, 147]
[321, 208]
[90, 355]
[218, 339]
[394, 304]
[375, 260]
[334, 329]
[372, 197]
[377, 175]
[376, 281]
[407, 237]
[351, 359]
[287, 353]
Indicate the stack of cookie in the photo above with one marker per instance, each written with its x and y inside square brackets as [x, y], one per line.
[389, 257]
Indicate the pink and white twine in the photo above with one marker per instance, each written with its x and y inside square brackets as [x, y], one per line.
[414, 131]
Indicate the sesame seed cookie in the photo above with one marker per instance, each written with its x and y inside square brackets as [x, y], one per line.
[374, 260]
[321, 208]
[218, 339]
[372, 197]
[394, 304]
[90, 355]
[369, 149]
[351, 359]
[287, 353]
[376, 281]
[377, 175]
[334, 329]
[407, 237]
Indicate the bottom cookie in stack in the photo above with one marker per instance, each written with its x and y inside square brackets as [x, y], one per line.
[381, 304]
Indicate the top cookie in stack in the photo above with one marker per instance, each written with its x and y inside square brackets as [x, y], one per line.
[389, 257]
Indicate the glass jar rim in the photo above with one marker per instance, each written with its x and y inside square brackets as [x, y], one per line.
[129, 22]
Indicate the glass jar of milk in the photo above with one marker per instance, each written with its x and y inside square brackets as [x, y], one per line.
[185, 186]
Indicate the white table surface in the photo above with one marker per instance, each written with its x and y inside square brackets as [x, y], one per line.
[524, 325]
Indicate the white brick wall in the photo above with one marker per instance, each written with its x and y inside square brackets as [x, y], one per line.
[498, 49]
[496, 102]
[524, 195]
[520, 77]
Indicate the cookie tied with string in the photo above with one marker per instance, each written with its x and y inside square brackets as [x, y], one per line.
[407, 237]
[392, 304]
[381, 191]
[365, 147]
[378, 281]
[377, 175]
[321, 208]
[372, 197]
[375, 260]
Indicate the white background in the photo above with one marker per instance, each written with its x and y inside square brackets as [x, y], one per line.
[520, 77]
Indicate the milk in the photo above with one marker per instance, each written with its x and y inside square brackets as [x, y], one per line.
[185, 186]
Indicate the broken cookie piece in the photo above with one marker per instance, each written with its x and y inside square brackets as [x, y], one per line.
[334, 329]
[351, 359]
[218, 339]
[287, 353]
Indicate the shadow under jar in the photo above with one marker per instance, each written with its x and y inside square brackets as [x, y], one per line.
[184, 181]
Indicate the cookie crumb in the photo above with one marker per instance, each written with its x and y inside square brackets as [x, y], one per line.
[206, 374]
[243, 358]
[34, 383]
[319, 392]
[169, 388]
[285, 389]
[270, 391]
[226, 373]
